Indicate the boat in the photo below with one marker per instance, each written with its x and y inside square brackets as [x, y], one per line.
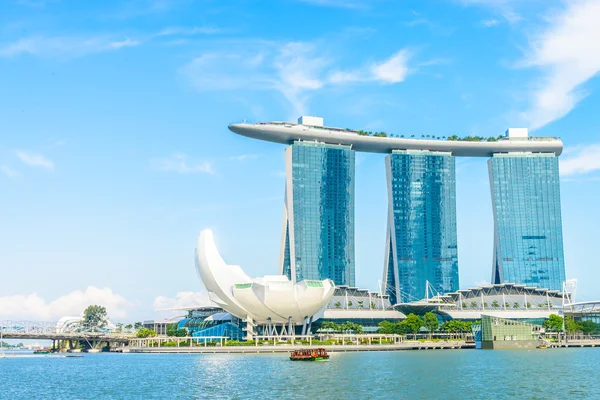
[42, 351]
[319, 354]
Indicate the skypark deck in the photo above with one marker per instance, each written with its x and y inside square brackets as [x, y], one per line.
[287, 133]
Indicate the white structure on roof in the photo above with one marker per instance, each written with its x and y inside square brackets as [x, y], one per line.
[513, 133]
[310, 121]
[270, 300]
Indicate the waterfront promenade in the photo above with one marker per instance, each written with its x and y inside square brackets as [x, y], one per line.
[332, 343]
[286, 348]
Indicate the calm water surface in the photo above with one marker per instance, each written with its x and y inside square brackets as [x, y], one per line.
[460, 374]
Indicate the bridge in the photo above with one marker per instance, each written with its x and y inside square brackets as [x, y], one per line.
[42, 330]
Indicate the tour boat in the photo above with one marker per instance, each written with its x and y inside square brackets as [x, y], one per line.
[42, 351]
[309, 355]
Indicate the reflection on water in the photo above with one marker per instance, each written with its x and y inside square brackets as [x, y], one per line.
[442, 374]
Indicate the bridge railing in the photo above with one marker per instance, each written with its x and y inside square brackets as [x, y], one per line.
[10, 326]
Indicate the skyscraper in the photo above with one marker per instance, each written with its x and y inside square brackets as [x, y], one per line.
[528, 243]
[421, 243]
[318, 223]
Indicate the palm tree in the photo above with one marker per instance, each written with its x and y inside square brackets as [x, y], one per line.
[373, 305]
[337, 304]
[495, 304]
[473, 304]
[516, 304]
[360, 303]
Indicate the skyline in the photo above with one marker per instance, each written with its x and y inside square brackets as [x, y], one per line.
[115, 153]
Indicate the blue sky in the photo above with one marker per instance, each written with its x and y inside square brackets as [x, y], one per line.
[115, 153]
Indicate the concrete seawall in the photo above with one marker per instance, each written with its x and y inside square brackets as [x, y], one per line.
[288, 348]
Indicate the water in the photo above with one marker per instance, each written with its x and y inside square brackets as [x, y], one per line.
[442, 374]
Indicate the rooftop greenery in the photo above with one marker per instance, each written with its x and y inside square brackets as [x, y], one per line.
[467, 138]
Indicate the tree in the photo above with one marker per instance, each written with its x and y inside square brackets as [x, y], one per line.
[137, 326]
[119, 327]
[413, 323]
[528, 305]
[145, 332]
[456, 326]
[571, 326]
[373, 305]
[172, 330]
[554, 323]
[516, 304]
[94, 318]
[330, 326]
[495, 304]
[350, 303]
[360, 303]
[430, 321]
[351, 327]
[128, 327]
[387, 327]
[588, 327]
[337, 304]
[463, 305]
[473, 304]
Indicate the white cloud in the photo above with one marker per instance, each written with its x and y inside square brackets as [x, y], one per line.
[394, 69]
[35, 160]
[482, 283]
[294, 69]
[488, 23]
[188, 31]
[33, 307]
[505, 8]
[182, 300]
[245, 157]
[569, 54]
[63, 46]
[298, 71]
[181, 164]
[339, 3]
[581, 161]
[123, 43]
[9, 172]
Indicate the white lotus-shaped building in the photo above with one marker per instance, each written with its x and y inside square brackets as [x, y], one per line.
[272, 299]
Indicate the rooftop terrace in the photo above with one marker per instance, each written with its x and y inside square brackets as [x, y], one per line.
[382, 142]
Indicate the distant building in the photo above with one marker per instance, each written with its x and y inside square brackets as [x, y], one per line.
[318, 227]
[506, 334]
[421, 241]
[505, 300]
[360, 306]
[528, 241]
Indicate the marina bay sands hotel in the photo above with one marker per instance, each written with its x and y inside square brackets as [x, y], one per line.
[421, 243]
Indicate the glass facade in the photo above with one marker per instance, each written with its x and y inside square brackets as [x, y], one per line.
[422, 240]
[318, 231]
[528, 243]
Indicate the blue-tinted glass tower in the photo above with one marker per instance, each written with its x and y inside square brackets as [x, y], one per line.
[528, 242]
[421, 243]
[318, 221]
